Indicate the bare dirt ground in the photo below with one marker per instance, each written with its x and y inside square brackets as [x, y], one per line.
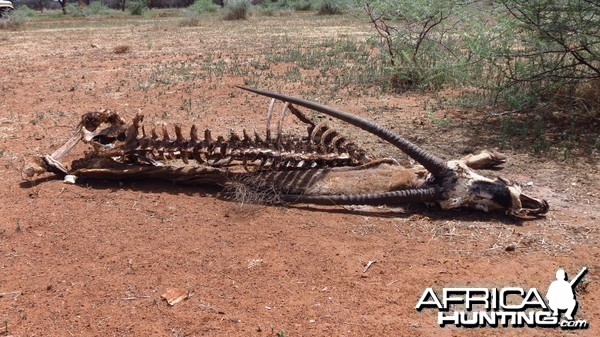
[93, 259]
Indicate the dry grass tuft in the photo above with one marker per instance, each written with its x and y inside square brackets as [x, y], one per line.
[237, 10]
[122, 49]
[192, 20]
[249, 191]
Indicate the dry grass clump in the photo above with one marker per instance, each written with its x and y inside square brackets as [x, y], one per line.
[237, 10]
[121, 49]
[249, 190]
[192, 20]
[330, 7]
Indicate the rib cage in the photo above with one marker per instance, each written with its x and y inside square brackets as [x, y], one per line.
[322, 147]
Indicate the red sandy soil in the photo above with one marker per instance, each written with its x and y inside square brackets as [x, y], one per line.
[93, 259]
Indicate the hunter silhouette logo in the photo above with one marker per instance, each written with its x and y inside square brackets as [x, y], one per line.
[509, 306]
[560, 293]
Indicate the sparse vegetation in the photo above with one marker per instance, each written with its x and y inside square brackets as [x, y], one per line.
[190, 20]
[301, 5]
[39, 116]
[14, 20]
[550, 53]
[74, 10]
[193, 13]
[24, 11]
[341, 64]
[96, 8]
[237, 10]
[203, 6]
[422, 43]
[331, 7]
[137, 7]
[519, 53]
[266, 9]
[426, 47]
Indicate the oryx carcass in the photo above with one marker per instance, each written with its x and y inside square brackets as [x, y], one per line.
[321, 167]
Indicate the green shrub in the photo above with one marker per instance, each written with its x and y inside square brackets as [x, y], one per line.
[24, 11]
[267, 10]
[237, 10]
[548, 51]
[517, 53]
[279, 3]
[296, 5]
[302, 5]
[423, 43]
[137, 7]
[13, 20]
[202, 6]
[96, 8]
[73, 9]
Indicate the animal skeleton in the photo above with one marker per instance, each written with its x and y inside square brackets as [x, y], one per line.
[323, 167]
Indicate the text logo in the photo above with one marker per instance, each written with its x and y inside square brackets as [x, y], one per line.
[509, 306]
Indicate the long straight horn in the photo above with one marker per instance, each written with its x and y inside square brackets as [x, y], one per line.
[386, 198]
[433, 164]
